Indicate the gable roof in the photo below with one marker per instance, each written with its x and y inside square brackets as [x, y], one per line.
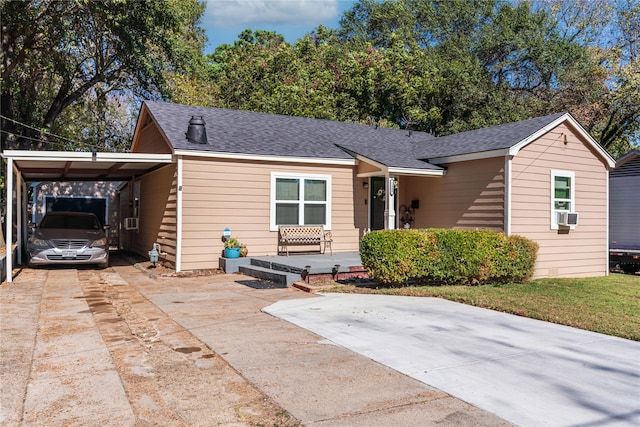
[260, 134]
[502, 140]
[253, 135]
[481, 140]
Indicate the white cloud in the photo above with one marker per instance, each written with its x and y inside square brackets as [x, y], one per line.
[231, 13]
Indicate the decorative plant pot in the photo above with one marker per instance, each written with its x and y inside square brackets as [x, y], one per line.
[232, 252]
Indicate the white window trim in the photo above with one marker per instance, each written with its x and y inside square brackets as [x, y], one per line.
[567, 174]
[272, 200]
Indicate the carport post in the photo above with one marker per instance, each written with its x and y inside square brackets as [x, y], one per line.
[19, 215]
[9, 220]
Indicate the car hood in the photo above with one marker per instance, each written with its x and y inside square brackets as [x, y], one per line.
[64, 233]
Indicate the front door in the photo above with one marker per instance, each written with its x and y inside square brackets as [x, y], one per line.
[377, 204]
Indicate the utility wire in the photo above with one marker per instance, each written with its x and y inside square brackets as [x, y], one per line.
[77, 143]
[28, 138]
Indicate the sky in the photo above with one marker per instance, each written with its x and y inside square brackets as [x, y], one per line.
[225, 19]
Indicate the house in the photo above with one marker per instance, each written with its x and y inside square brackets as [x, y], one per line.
[249, 172]
[624, 208]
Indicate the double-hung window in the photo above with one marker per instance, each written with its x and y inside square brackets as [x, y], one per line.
[562, 194]
[300, 199]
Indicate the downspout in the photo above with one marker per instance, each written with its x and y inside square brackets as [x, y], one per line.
[507, 194]
[607, 248]
[179, 217]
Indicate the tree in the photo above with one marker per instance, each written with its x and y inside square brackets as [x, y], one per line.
[503, 61]
[56, 53]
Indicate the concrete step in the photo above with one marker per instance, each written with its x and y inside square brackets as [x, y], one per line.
[279, 277]
[275, 266]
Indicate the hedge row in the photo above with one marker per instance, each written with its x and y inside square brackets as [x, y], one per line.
[439, 256]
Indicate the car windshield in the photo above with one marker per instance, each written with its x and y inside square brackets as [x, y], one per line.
[70, 222]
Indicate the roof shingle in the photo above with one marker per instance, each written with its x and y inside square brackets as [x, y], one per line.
[251, 133]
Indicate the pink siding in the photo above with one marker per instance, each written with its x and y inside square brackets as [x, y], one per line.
[157, 221]
[469, 196]
[148, 138]
[220, 193]
[581, 252]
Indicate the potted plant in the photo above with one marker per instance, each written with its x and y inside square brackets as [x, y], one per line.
[232, 248]
[243, 250]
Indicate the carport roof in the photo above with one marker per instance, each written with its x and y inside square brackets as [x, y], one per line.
[83, 166]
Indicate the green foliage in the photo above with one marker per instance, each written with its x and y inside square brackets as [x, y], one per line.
[447, 256]
[441, 67]
[231, 242]
[56, 55]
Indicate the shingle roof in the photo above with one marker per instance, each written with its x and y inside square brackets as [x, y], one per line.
[245, 132]
[487, 139]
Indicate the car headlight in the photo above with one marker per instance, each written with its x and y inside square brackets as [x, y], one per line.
[36, 243]
[99, 242]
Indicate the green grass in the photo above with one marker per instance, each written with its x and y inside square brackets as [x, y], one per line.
[609, 305]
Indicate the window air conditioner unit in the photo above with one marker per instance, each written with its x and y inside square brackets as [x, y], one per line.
[568, 219]
[131, 223]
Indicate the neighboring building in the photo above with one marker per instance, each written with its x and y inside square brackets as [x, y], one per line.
[624, 212]
[253, 171]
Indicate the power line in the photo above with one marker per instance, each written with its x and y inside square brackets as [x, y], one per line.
[28, 138]
[77, 143]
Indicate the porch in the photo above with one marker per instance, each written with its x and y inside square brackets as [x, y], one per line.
[307, 268]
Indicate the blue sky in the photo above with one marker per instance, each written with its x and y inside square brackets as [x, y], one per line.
[225, 19]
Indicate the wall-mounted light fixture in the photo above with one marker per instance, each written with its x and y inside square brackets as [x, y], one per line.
[365, 185]
[393, 186]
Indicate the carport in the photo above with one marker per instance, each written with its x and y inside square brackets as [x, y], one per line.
[23, 166]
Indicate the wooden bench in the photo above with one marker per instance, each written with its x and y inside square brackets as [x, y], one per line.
[303, 235]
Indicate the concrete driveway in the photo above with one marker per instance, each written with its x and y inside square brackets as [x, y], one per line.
[528, 372]
[115, 347]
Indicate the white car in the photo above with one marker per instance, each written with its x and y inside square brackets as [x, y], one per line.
[69, 238]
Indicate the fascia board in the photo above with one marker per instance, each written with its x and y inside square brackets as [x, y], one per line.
[84, 156]
[408, 171]
[395, 170]
[383, 168]
[266, 158]
[136, 132]
[470, 156]
[47, 155]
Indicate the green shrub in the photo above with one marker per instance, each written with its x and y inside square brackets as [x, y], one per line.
[447, 256]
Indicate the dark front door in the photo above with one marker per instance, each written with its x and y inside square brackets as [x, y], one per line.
[377, 203]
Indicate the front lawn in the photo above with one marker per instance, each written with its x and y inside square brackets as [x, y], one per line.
[609, 305]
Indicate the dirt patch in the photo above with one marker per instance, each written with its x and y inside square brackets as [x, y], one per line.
[170, 377]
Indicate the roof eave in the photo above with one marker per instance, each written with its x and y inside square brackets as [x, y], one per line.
[86, 156]
[469, 156]
[421, 172]
[266, 157]
[627, 157]
[397, 170]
